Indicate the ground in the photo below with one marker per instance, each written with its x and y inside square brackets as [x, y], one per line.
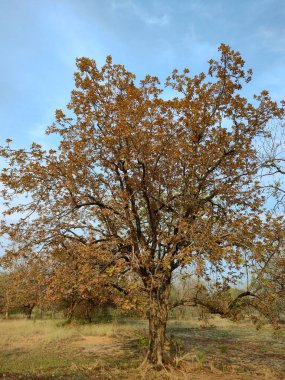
[45, 349]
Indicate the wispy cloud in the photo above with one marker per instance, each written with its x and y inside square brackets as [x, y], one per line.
[145, 16]
[270, 38]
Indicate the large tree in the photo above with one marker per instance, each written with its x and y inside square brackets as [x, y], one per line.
[157, 182]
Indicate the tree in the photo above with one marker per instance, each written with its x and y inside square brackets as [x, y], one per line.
[24, 284]
[71, 278]
[5, 298]
[156, 183]
[81, 281]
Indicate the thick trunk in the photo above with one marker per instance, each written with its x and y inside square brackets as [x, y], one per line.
[157, 329]
[158, 314]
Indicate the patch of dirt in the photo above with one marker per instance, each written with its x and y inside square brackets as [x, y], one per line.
[23, 343]
[99, 345]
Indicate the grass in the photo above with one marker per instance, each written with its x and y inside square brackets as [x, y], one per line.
[45, 349]
[48, 348]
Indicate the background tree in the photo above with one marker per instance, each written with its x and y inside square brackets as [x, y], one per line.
[5, 298]
[73, 279]
[23, 283]
[156, 183]
[82, 281]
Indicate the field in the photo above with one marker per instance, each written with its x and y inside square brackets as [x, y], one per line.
[46, 349]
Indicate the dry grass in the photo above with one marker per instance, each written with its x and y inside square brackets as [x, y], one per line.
[226, 351]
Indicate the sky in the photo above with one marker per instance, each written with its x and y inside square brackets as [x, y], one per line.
[40, 40]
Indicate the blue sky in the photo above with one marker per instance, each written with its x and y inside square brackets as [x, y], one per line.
[40, 40]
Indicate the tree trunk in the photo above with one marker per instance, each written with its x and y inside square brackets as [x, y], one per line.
[28, 311]
[88, 311]
[70, 311]
[7, 304]
[158, 314]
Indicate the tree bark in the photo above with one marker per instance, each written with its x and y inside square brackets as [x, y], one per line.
[157, 316]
